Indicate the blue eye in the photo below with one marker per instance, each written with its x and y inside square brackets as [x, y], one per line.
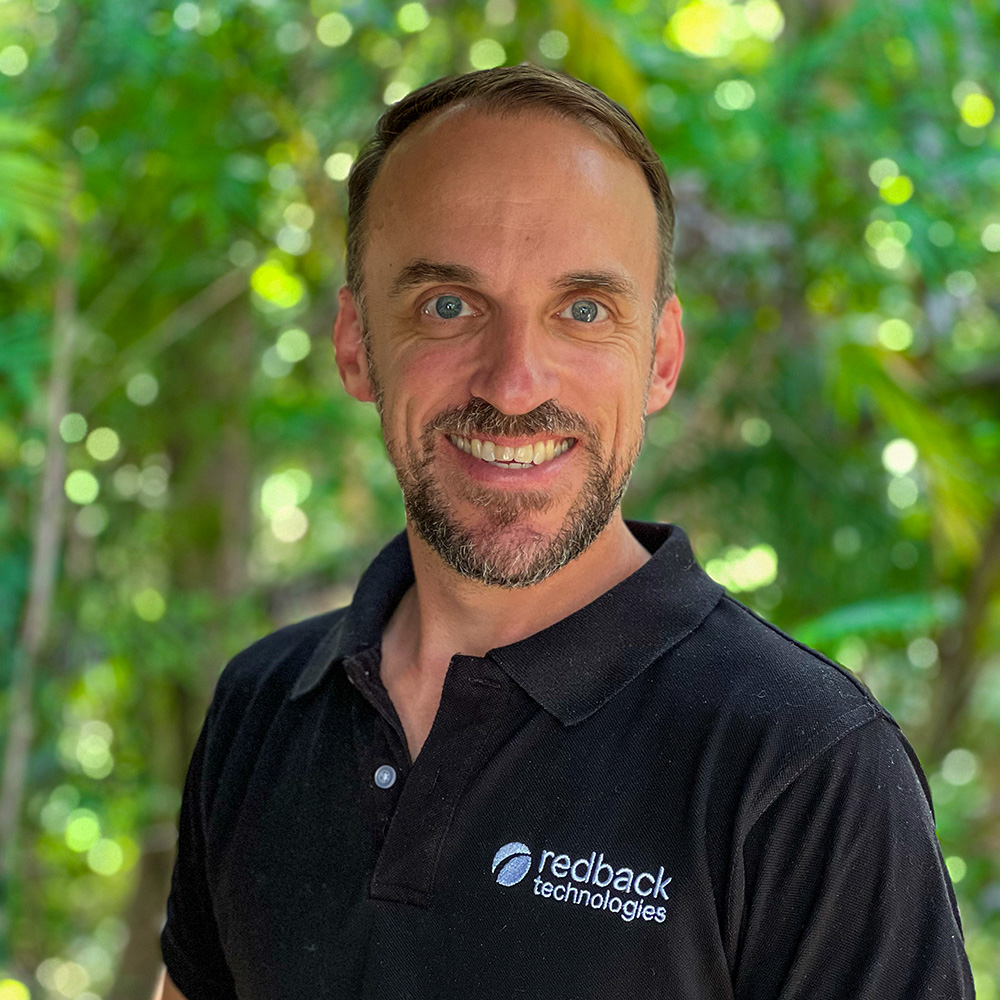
[587, 311]
[447, 306]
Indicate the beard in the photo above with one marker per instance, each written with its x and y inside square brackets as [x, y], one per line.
[502, 548]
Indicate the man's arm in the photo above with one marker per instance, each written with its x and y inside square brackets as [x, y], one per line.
[846, 892]
[190, 941]
[165, 989]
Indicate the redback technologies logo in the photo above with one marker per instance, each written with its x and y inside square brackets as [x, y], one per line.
[589, 881]
[511, 863]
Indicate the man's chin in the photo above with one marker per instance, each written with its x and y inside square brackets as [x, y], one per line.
[519, 554]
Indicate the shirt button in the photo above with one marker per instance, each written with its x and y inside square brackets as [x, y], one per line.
[385, 776]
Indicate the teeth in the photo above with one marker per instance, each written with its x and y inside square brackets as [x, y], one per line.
[525, 456]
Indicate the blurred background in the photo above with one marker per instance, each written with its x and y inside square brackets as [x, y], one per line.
[182, 471]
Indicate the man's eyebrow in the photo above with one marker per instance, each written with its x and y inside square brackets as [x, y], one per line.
[604, 281]
[421, 271]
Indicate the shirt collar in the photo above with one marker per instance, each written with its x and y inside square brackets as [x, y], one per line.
[575, 666]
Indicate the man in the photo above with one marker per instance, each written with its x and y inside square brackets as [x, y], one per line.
[541, 754]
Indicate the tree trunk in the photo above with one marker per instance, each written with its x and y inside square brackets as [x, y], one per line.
[227, 480]
[46, 542]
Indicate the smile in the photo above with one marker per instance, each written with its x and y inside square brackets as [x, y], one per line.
[523, 456]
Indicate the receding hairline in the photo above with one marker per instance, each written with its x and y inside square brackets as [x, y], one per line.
[484, 108]
[508, 92]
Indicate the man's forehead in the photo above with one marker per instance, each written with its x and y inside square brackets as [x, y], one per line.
[470, 186]
[461, 142]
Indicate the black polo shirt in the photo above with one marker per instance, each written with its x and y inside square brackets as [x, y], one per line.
[660, 795]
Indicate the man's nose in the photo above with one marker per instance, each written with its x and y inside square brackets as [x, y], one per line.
[515, 369]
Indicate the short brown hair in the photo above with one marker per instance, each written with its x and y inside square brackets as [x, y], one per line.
[508, 90]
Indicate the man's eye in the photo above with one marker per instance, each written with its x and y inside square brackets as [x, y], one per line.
[446, 307]
[585, 311]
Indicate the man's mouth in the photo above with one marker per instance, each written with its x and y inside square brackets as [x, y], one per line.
[522, 456]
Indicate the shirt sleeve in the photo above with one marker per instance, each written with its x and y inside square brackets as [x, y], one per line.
[192, 950]
[846, 892]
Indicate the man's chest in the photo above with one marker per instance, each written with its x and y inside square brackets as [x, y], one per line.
[515, 857]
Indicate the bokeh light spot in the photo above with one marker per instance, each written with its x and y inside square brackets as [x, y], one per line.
[333, 29]
[755, 431]
[142, 389]
[735, 95]
[395, 91]
[299, 214]
[13, 60]
[293, 345]
[83, 830]
[338, 166]
[291, 37]
[105, 857]
[73, 428]
[82, 486]
[413, 17]
[289, 524]
[895, 333]
[70, 979]
[739, 569]
[961, 284]
[276, 286]
[882, 171]
[91, 520]
[287, 488]
[902, 492]
[554, 45]
[957, 867]
[922, 652]
[698, 28]
[13, 989]
[959, 766]
[847, 541]
[500, 12]
[852, 652]
[103, 444]
[977, 110]
[187, 16]
[765, 18]
[897, 191]
[485, 53]
[149, 604]
[991, 237]
[899, 456]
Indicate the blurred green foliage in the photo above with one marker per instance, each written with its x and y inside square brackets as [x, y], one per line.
[172, 191]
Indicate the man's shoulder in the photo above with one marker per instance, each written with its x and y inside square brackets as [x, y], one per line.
[770, 672]
[765, 705]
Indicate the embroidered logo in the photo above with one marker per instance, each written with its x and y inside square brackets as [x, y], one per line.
[587, 881]
[511, 863]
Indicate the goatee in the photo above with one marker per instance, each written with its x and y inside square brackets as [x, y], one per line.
[502, 548]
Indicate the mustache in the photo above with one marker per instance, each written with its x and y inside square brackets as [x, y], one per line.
[477, 416]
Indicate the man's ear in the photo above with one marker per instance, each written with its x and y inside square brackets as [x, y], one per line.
[668, 355]
[348, 345]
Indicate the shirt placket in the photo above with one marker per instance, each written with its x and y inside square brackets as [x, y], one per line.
[413, 811]
[383, 759]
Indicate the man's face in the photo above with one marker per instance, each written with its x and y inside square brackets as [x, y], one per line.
[509, 276]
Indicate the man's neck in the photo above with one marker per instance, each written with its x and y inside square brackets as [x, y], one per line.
[444, 613]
